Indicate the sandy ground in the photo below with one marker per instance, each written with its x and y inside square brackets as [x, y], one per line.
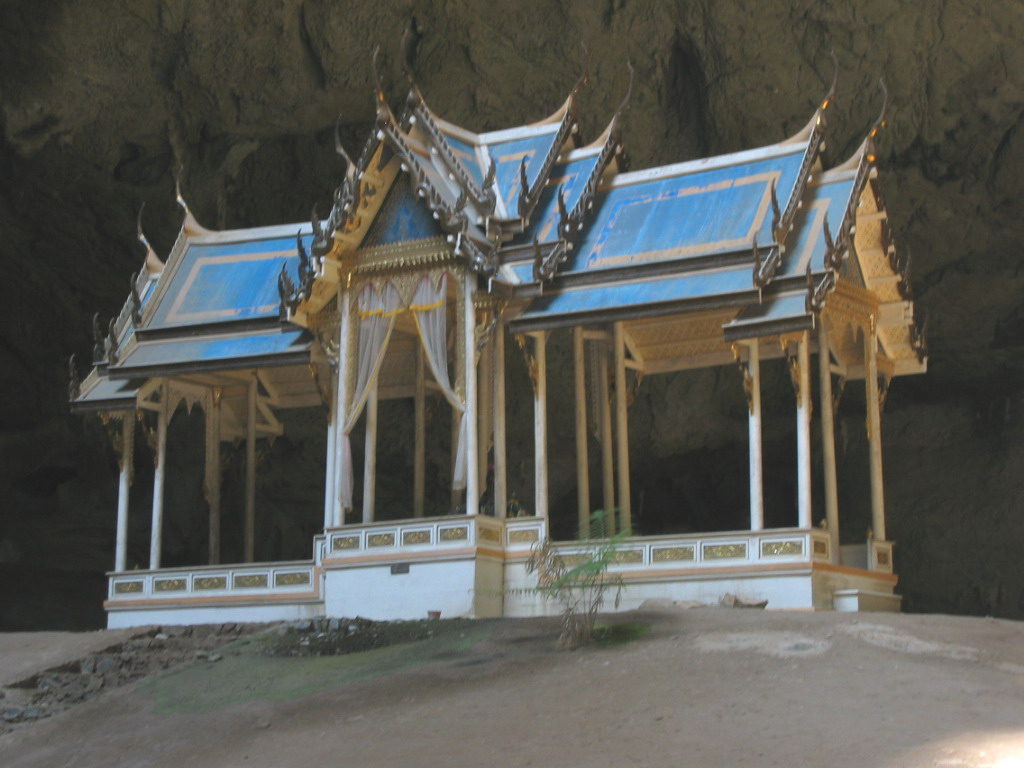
[704, 687]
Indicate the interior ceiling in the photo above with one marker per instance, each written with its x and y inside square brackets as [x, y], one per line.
[100, 104]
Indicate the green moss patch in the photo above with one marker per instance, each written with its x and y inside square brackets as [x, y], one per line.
[247, 673]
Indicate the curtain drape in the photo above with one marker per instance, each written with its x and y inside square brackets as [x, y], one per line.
[429, 310]
[377, 311]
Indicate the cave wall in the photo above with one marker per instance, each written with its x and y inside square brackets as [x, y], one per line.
[101, 102]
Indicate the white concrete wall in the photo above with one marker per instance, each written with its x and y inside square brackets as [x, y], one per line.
[213, 614]
[782, 591]
[373, 592]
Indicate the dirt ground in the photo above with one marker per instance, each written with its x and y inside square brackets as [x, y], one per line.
[699, 687]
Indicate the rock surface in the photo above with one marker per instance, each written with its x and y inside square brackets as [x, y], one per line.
[100, 103]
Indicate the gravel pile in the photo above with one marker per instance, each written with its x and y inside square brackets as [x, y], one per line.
[333, 637]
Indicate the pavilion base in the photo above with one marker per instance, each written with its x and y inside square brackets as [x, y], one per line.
[476, 567]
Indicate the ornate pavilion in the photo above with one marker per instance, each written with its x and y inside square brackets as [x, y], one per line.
[442, 246]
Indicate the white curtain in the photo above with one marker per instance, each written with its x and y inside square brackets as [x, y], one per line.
[377, 311]
[429, 310]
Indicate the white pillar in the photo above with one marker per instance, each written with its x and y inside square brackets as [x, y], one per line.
[212, 479]
[874, 434]
[472, 446]
[582, 466]
[540, 426]
[370, 454]
[607, 455]
[419, 457]
[485, 419]
[341, 392]
[123, 489]
[456, 428]
[803, 433]
[622, 428]
[500, 457]
[250, 472]
[754, 438]
[159, 472]
[828, 440]
[329, 464]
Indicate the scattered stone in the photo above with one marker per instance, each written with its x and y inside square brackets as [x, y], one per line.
[53, 690]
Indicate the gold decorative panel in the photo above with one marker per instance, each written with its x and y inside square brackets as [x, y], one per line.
[629, 556]
[882, 557]
[454, 534]
[380, 540]
[522, 536]
[820, 547]
[489, 534]
[210, 582]
[416, 537]
[776, 548]
[169, 585]
[249, 580]
[127, 587]
[291, 579]
[571, 561]
[670, 554]
[345, 542]
[724, 551]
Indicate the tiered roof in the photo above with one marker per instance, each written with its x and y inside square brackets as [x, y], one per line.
[762, 237]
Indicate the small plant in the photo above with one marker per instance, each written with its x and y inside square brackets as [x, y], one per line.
[579, 585]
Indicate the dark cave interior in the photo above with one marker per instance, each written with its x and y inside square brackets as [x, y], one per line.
[102, 102]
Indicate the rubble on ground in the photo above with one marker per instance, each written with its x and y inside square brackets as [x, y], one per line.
[54, 690]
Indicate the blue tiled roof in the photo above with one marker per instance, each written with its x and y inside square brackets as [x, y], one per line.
[216, 282]
[822, 201]
[509, 156]
[401, 218]
[466, 153]
[572, 178]
[220, 350]
[693, 214]
[638, 293]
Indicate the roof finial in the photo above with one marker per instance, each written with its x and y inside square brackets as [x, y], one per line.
[154, 265]
[138, 229]
[830, 96]
[410, 44]
[629, 90]
[882, 115]
[585, 75]
[98, 337]
[136, 299]
[74, 382]
[376, 73]
[338, 147]
[177, 190]
[776, 213]
[110, 343]
[285, 291]
[190, 225]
